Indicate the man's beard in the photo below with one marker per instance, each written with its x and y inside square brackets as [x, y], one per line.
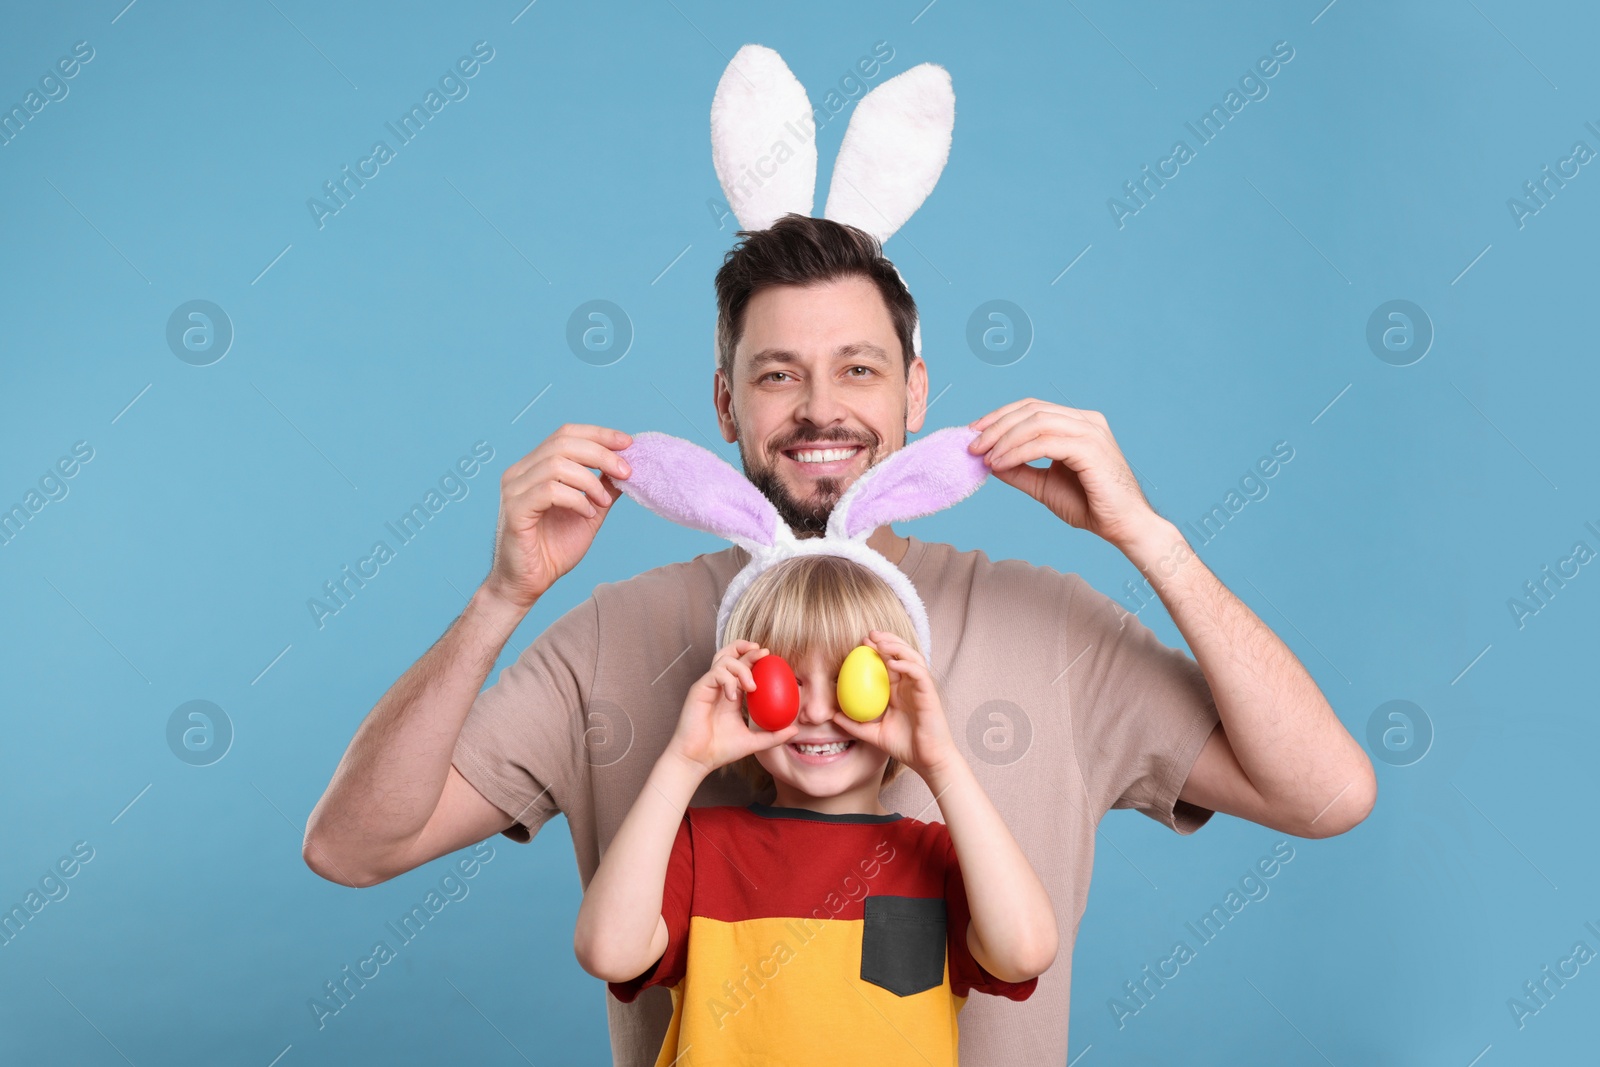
[806, 518]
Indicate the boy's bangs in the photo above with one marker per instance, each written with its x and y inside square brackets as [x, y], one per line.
[822, 605]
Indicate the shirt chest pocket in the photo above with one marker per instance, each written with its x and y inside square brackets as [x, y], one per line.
[903, 943]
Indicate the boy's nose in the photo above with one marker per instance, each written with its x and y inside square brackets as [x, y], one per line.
[817, 704]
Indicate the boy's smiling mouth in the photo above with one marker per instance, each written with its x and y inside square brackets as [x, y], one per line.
[820, 752]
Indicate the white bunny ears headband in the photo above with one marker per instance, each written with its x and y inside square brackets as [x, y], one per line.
[694, 487]
[893, 151]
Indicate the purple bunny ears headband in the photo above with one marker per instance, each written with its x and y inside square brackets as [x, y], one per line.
[695, 487]
[764, 148]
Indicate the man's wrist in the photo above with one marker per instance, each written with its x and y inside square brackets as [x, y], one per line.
[1158, 546]
[505, 614]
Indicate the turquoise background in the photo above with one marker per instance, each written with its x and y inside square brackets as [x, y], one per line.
[1228, 315]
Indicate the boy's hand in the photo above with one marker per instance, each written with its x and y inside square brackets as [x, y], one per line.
[711, 730]
[913, 729]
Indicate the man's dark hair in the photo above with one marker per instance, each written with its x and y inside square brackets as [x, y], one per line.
[797, 250]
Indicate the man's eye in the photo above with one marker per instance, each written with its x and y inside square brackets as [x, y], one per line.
[859, 367]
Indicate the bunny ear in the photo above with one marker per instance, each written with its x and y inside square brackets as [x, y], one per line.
[763, 139]
[928, 475]
[695, 487]
[894, 151]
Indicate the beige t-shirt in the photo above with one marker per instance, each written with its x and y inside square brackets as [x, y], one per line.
[1063, 703]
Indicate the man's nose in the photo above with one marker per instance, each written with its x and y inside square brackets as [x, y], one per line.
[821, 405]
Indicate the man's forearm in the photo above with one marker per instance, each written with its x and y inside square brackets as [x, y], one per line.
[1286, 737]
[389, 782]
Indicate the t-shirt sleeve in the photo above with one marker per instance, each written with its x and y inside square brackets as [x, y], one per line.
[676, 894]
[523, 735]
[1141, 710]
[966, 973]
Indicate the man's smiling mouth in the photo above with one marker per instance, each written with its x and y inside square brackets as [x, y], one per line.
[825, 459]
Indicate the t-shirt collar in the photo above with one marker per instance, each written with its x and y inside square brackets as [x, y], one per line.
[768, 811]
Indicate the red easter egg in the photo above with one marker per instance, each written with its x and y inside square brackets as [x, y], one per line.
[775, 703]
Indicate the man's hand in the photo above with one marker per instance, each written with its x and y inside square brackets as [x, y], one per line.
[913, 729]
[1282, 757]
[1088, 483]
[396, 801]
[551, 507]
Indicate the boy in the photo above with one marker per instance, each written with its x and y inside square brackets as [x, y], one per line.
[821, 927]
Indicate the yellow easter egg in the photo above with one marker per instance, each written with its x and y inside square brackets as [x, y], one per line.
[863, 687]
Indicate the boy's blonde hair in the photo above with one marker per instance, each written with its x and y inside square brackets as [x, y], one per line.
[819, 604]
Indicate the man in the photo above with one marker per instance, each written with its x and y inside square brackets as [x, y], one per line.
[1069, 705]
